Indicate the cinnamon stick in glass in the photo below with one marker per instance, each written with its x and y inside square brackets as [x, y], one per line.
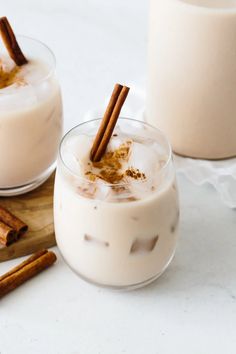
[108, 122]
[110, 107]
[11, 43]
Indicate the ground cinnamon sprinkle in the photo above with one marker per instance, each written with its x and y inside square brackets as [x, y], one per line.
[109, 168]
[135, 173]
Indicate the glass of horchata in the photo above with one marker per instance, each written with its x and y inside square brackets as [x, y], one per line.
[116, 220]
[30, 118]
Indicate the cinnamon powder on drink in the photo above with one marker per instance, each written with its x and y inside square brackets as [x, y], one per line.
[109, 168]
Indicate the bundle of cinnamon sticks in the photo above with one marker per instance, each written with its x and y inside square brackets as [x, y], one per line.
[108, 123]
[11, 227]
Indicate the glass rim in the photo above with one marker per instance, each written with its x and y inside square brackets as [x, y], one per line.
[200, 7]
[45, 77]
[79, 177]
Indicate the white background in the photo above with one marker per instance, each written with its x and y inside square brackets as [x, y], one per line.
[191, 309]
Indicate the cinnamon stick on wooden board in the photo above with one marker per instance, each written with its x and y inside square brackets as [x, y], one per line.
[11, 43]
[7, 234]
[32, 266]
[108, 123]
[13, 221]
[11, 227]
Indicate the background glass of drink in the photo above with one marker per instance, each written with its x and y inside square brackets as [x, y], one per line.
[30, 121]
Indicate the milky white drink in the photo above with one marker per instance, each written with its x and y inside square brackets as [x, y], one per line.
[30, 118]
[192, 75]
[116, 220]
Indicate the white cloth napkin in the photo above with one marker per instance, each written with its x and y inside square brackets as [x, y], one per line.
[220, 174]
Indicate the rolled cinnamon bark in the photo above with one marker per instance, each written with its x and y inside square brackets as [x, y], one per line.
[7, 234]
[14, 222]
[26, 270]
[108, 122]
[114, 97]
[11, 43]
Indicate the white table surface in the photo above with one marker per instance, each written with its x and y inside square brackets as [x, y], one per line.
[191, 309]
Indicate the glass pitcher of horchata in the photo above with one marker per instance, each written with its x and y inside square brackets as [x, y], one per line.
[192, 75]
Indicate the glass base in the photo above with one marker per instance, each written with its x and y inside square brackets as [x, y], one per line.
[122, 287]
[10, 192]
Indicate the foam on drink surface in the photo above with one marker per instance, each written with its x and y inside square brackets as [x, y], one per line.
[128, 171]
[17, 83]
[15, 76]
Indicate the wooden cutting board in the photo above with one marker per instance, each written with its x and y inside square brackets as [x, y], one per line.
[35, 209]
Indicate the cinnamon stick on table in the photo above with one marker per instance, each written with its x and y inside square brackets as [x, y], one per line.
[108, 123]
[11, 43]
[32, 266]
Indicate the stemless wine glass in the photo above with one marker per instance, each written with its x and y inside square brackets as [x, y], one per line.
[31, 122]
[116, 235]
